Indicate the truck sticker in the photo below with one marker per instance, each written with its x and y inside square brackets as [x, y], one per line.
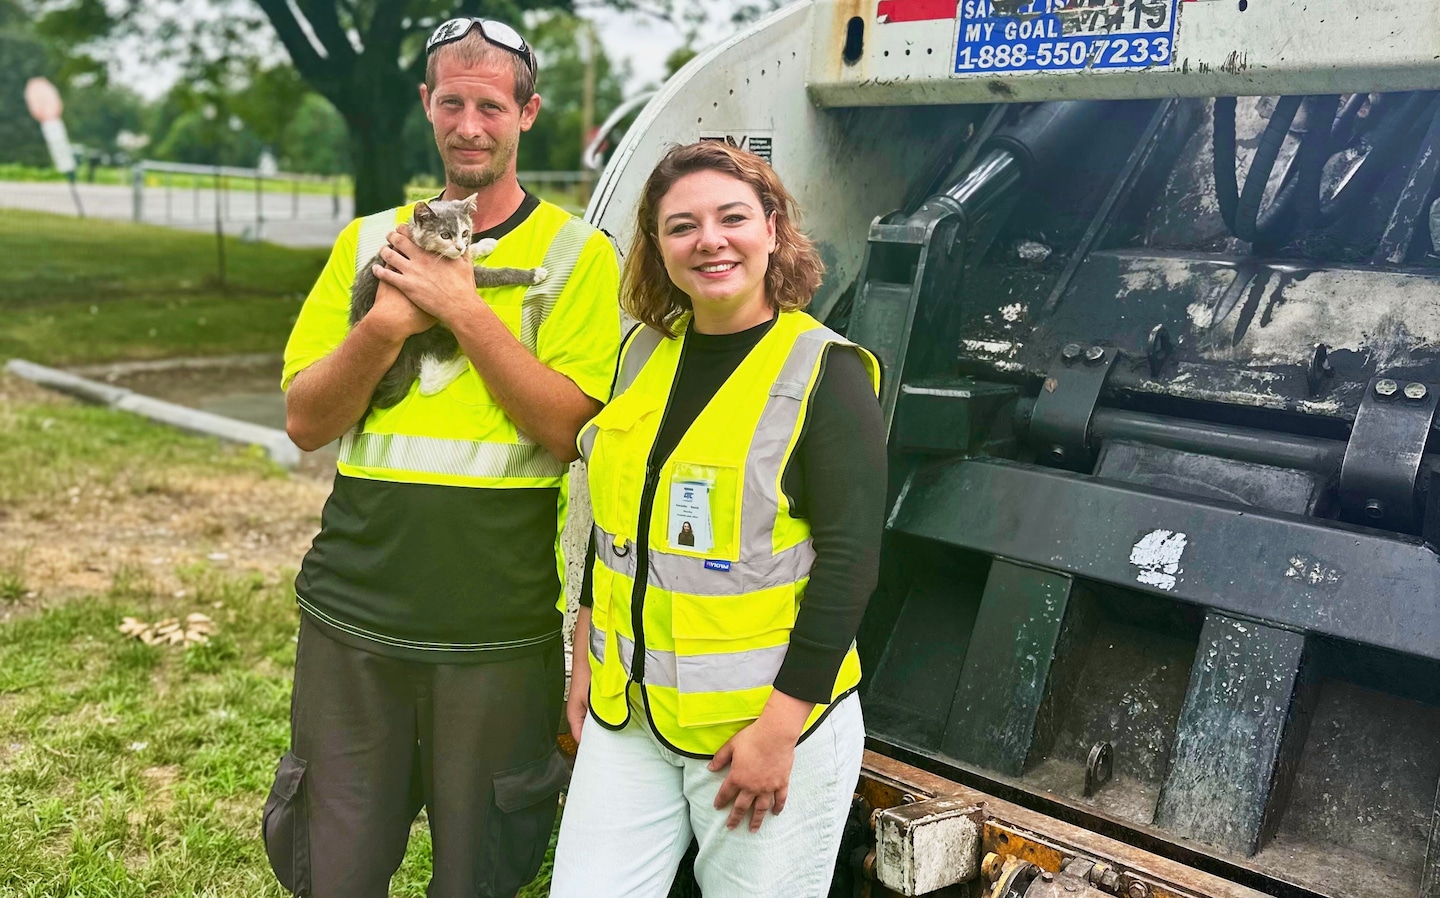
[758, 142]
[1157, 555]
[1064, 35]
[914, 10]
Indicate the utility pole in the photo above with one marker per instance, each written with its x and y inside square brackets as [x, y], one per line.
[586, 35]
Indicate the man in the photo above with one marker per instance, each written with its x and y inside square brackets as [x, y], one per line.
[429, 662]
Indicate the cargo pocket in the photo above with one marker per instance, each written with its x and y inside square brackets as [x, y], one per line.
[518, 830]
[728, 650]
[617, 464]
[286, 827]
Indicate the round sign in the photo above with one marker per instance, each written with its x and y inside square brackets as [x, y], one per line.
[43, 100]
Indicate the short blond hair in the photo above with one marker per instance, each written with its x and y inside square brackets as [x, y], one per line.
[474, 50]
[795, 271]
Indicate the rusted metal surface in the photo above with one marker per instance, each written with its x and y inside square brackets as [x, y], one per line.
[1039, 839]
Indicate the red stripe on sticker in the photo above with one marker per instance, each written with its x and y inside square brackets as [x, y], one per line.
[916, 10]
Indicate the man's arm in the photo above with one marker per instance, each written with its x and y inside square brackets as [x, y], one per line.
[328, 397]
[545, 405]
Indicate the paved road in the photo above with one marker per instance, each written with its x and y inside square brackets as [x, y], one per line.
[304, 220]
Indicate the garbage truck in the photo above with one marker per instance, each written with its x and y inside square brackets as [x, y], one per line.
[1155, 285]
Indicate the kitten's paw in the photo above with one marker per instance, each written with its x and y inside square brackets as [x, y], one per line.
[539, 275]
[485, 247]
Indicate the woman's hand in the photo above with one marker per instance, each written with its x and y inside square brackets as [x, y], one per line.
[760, 757]
[577, 706]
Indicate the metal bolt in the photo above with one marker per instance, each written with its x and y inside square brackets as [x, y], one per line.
[1415, 391]
[1070, 352]
[1093, 355]
[1057, 453]
[1047, 876]
[1386, 387]
[1138, 890]
[1374, 509]
[991, 867]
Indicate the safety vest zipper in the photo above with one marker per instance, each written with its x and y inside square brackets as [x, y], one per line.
[642, 534]
[642, 574]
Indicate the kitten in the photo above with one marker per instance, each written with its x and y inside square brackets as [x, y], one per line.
[441, 227]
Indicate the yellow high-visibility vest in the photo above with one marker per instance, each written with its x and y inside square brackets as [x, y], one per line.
[424, 440]
[714, 616]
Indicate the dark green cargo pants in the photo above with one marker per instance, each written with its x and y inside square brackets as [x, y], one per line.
[373, 739]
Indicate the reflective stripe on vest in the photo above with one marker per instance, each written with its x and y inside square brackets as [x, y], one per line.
[633, 356]
[679, 573]
[464, 458]
[521, 459]
[716, 672]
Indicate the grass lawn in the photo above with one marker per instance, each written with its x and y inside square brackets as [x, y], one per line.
[99, 291]
[126, 769]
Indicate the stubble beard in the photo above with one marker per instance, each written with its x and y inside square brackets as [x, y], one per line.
[473, 178]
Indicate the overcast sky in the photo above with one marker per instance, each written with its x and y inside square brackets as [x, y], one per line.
[642, 41]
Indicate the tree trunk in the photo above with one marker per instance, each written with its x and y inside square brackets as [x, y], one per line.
[375, 117]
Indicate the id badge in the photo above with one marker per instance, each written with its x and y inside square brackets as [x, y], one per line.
[690, 526]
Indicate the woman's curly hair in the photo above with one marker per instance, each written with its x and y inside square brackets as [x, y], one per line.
[795, 270]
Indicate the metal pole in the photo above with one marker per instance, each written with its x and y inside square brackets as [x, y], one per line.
[219, 229]
[259, 208]
[137, 189]
[335, 197]
[587, 106]
[295, 199]
[168, 182]
[75, 192]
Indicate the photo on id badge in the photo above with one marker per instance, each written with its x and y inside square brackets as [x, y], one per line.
[690, 516]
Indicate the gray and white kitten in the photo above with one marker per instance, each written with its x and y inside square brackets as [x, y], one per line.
[441, 227]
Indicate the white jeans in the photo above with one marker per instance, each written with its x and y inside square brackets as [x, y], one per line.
[633, 806]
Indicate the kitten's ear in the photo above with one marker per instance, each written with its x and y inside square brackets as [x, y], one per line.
[471, 203]
[423, 212]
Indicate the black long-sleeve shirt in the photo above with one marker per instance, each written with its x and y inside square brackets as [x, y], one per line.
[836, 480]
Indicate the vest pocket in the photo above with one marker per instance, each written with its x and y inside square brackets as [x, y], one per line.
[608, 677]
[727, 652]
[285, 826]
[617, 467]
[700, 529]
[518, 829]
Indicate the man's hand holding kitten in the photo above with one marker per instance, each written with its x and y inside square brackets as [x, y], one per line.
[437, 288]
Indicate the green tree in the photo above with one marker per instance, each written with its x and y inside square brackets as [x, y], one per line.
[203, 137]
[96, 114]
[556, 140]
[314, 140]
[267, 100]
[23, 55]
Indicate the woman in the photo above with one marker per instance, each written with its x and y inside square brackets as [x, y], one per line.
[738, 483]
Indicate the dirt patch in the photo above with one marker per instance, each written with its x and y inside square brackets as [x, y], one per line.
[99, 538]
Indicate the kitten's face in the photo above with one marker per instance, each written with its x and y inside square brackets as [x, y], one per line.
[443, 227]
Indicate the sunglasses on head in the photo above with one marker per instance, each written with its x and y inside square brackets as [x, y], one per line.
[497, 33]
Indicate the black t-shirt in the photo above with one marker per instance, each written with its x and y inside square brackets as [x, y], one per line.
[835, 479]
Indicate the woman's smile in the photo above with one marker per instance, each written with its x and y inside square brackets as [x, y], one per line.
[716, 240]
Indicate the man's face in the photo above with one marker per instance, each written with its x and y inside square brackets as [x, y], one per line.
[477, 121]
